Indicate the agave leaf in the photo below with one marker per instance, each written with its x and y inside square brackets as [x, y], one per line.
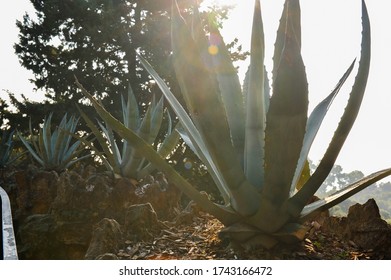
[113, 144]
[61, 138]
[198, 33]
[209, 163]
[6, 146]
[71, 126]
[152, 156]
[46, 136]
[291, 11]
[299, 200]
[313, 124]
[130, 166]
[31, 150]
[33, 142]
[156, 121]
[42, 152]
[230, 89]
[266, 88]
[145, 127]
[101, 140]
[255, 105]
[131, 117]
[200, 90]
[104, 157]
[72, 152]
[192, 137]
[171, 140]
[71, 162]
[130, 111]
[287, 114]
[164, 150]
[312, 209]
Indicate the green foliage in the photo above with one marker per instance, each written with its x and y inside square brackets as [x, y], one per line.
[55, 150]
[95, 41]
[337, 178]
[254, 146]
[128, 162]
[7, 156]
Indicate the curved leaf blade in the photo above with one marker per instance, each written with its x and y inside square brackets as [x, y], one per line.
[299, 200]
[312, 209]
[313, 124]
[287, 114]
[151, 155]
[255, 105]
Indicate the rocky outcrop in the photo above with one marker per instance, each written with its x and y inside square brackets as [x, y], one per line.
[84, 209]
[363, 226]
[35, 191]
[367, 229]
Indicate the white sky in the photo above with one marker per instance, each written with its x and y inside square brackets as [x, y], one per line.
[331, 33]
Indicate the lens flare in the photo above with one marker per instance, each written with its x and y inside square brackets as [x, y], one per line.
[213, 50]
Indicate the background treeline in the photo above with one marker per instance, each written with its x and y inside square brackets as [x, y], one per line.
[337, 179]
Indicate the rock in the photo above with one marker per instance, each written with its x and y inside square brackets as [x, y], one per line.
[364, 227]
[35, 191]
[141, 223]
[36, 238]
[367, 229]
[164, 198]
[73, 203]
[337, 226]
[106, 239]
[78, 206]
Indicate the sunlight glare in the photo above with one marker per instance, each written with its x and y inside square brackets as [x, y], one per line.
[220, 3]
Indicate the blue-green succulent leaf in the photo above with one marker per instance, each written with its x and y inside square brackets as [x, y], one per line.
[299, 200]
[230, 90]
[152, 156]
[313, 124]
[341, 195]
[287, 114]
[255, 105]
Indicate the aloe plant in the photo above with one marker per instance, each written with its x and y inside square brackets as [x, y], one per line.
[127, 161]
[254, 144]
[55, 150]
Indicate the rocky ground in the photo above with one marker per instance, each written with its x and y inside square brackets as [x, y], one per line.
[199, 241]
[79, 216]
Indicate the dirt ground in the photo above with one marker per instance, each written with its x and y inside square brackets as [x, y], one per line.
[199, 241]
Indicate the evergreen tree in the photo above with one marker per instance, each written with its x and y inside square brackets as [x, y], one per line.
[96, 41]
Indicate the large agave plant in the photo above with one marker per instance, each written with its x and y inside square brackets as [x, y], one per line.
[127, 161]
[255, 146]
[55, 150]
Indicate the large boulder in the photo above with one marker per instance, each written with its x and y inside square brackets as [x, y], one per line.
[364, 226]
[367, 229]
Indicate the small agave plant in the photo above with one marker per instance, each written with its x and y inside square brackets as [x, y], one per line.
[254, 145]
[55, 150]
[127, 161]
[7, 156]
